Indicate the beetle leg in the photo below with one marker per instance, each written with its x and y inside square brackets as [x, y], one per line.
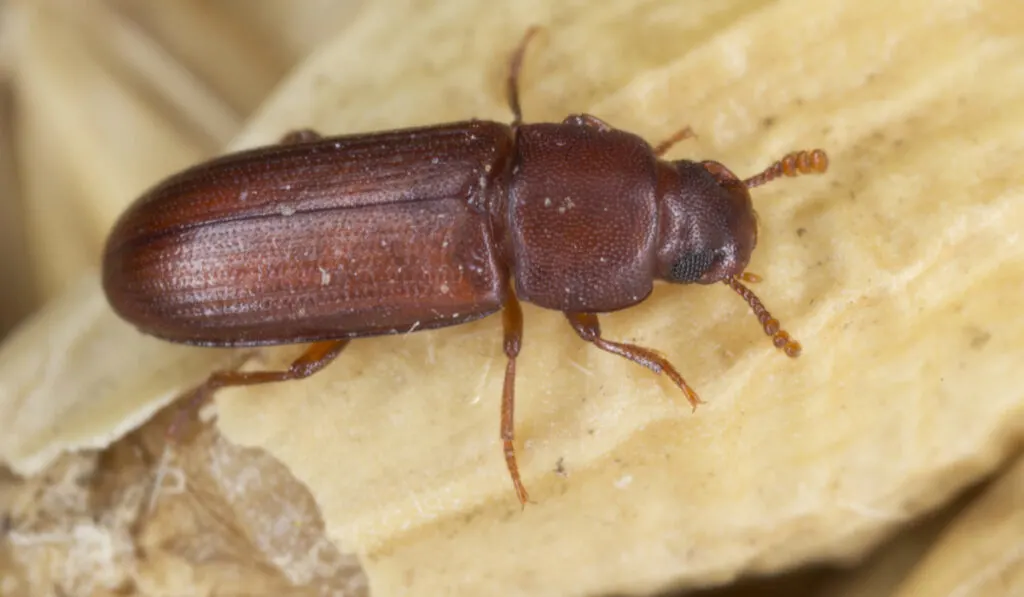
[300, 136]
[588, 328]
[684, 133]
[316, 357]
[512, 319]
[516, 65]
[588, 120]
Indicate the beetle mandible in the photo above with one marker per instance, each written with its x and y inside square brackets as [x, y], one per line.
[321, 240]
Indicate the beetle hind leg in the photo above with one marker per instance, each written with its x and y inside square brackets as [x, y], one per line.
[588, 327]
[315, 358]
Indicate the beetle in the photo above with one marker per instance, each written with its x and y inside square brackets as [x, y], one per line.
[322, 240]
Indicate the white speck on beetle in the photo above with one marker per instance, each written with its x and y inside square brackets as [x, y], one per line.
[444, 288]
[547, 202]
[325, 276]
[286, 210]
[434, 160]
[243, 195]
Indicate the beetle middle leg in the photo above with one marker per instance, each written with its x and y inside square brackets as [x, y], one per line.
[589, 328]
[512, 320]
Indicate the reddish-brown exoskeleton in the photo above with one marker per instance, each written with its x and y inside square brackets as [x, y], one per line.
[321, 240]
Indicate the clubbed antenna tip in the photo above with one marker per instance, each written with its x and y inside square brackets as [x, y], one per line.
[793, 164]
[780, 337]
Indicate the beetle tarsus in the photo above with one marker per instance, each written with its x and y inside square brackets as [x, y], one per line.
[588, 327]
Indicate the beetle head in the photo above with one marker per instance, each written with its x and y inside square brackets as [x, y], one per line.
[708, 224]
[708, 228]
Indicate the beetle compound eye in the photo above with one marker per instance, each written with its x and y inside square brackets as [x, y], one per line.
[691, 266]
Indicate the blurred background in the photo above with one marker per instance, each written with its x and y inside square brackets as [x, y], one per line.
[101, 98]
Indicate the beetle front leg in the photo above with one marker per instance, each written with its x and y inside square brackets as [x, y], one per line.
[589, 328]
[512, 320]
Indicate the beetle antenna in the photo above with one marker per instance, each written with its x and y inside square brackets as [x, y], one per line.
[793, 164]
[514, 68]
[780, 338]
